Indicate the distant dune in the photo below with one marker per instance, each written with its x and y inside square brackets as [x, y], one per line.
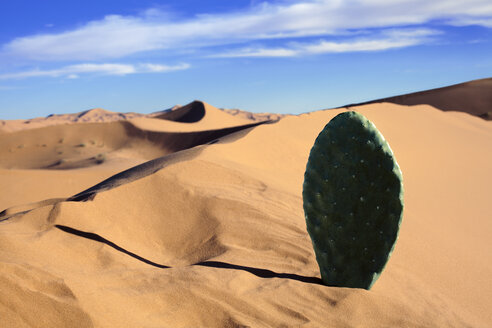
[89, 116]
[193, 217]
[254, 116]
[99, 115]
[474, 97]
[142, 138]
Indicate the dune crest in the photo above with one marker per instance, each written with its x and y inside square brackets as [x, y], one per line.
[473, 97]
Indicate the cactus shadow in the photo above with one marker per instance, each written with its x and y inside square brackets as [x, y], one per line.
[96, 237]
[262, 273]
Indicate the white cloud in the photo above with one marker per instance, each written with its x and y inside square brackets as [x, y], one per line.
[118, 36]
[390, 39]
[74, 71]
[466, 21]
[356, 46]
[157, 68]
[259, 52]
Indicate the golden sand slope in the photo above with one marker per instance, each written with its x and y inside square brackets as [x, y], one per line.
[473, 97]
[214, 235]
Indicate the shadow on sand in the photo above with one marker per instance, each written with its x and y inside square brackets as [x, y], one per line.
[262, 273]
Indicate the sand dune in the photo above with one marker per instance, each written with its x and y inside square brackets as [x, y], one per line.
[90, 116]
[474, 97]
[254, 116]
[210, 232]
[137, 140]
[107, 148]
[190, 113]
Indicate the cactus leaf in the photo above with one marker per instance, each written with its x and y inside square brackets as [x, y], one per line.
[353, 201]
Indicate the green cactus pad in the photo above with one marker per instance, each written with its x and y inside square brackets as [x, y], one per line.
[353, 201]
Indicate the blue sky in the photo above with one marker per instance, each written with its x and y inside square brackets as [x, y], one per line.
[285, 56]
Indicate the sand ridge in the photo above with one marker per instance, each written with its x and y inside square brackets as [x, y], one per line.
[473, 97]
[213, 235]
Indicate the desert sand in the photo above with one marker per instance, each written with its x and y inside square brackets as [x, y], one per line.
[193, 218]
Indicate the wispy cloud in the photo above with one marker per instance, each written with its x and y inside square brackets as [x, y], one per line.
[390, 39]
[120, 36]
[466, 21]
[74, 71]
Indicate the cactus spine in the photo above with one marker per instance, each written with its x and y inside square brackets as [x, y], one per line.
[353, 201]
